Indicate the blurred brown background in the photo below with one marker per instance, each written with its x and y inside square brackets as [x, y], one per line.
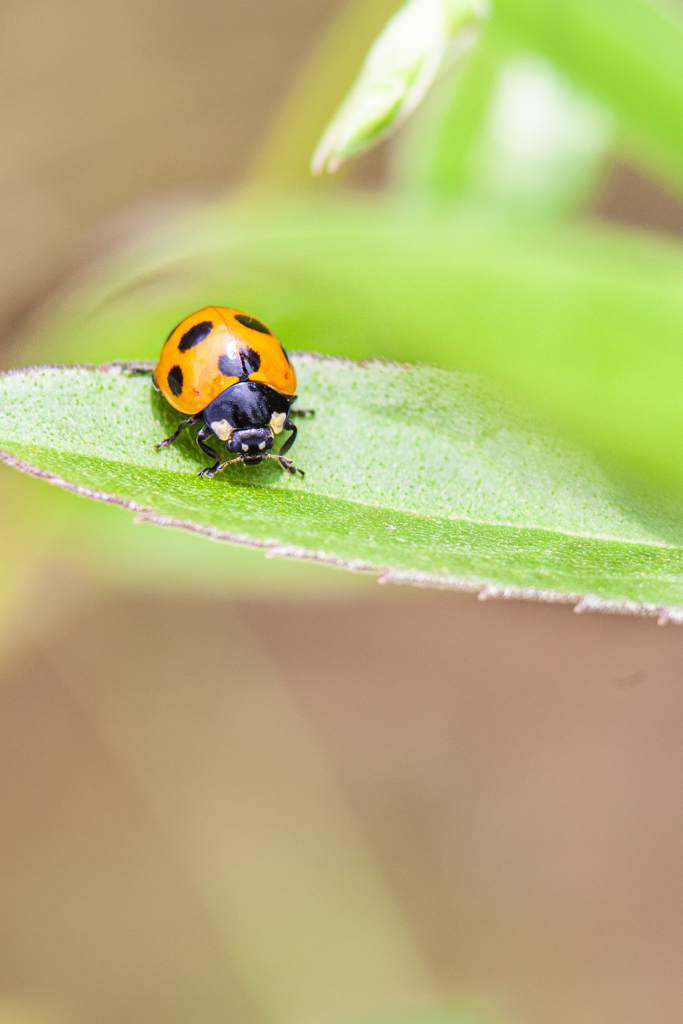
[280, 809]
[121, 109]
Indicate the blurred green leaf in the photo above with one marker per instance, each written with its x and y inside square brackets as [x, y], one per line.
[628, 53]
[624, 54]
[417, 42]
[423, 474]
[510, 133]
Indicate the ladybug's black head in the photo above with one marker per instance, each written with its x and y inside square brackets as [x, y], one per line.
[250, 443]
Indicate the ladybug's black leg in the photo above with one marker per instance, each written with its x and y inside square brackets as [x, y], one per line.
[284, 462]
[288, 425]
[305, 414]
[178, 431]
[211, 452]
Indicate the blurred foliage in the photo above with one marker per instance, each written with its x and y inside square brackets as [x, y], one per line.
[509, 132]
[627, 53]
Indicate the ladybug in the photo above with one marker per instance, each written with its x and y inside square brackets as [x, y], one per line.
[226, 367]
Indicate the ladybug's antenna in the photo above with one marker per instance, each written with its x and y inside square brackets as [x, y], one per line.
[285, 464]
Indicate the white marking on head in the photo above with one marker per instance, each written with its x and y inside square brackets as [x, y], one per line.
[245, 447]
[277, 421]
[262, 445]
[222, 429]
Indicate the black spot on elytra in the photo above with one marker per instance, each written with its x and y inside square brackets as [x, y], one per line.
[251, 321]
[230, 366]
[175, 380]
[250, 360]
[195, 335]
[242, 364]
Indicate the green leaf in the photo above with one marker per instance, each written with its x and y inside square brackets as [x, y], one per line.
[424, 475]
[423, 37]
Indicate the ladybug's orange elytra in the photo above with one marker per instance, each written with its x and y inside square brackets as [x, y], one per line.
[214, 348]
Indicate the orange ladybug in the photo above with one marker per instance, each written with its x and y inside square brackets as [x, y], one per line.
[226, 367]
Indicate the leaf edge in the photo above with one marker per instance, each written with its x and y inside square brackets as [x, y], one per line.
[483, 590]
